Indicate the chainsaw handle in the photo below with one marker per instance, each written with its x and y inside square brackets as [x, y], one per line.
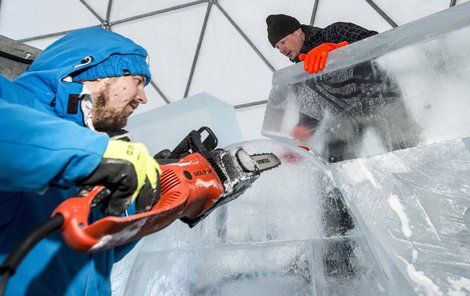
[193, 142]
[188, 188]
[76, 211]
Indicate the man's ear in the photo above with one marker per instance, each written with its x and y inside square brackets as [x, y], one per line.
[95, 86]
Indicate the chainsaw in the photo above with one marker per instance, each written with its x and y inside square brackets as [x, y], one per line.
[201, 179]
[196, 178]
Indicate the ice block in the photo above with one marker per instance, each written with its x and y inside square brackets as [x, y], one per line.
[402, 88]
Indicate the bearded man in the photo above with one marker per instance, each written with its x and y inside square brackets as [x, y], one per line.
[55, 121]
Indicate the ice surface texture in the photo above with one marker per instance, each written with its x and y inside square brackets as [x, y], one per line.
[394, 224]
[414, 208]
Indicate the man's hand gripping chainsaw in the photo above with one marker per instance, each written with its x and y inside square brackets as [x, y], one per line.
[196, 178]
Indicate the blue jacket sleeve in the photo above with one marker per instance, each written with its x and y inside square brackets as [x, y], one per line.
[38, 150]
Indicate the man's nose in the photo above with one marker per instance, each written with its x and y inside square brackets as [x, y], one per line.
[141, 97]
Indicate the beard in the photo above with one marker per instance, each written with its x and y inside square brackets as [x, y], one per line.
[105, 117]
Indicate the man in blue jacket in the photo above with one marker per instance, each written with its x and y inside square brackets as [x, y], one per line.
[55, 121]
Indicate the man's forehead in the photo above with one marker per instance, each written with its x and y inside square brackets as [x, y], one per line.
[279, 43]
[282, 40]
[141, 77]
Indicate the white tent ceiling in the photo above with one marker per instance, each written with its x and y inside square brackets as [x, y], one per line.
[214, 46]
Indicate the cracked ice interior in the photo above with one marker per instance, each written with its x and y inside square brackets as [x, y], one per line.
[381, 206]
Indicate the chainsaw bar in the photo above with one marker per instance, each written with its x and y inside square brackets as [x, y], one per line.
[260, 162]
[238, 171]
[266, 161]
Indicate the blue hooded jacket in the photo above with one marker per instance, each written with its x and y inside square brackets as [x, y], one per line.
[45, 147]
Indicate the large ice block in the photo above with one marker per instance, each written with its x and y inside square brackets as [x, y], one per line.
[402, 88]
[414, 208]
[289, 234]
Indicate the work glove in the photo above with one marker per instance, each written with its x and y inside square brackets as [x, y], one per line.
[301, 133]
[129, 174]
[315, 59]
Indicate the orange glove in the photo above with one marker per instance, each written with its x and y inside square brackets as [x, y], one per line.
[315, 60]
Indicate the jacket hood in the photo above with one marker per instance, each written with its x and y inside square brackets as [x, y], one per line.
[45, 79]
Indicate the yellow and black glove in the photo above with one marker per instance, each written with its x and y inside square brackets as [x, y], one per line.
[130, 174]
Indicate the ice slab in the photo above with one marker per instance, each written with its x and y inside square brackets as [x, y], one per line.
[289, 234]
[165, 127]
[403, 88]
[414, 208]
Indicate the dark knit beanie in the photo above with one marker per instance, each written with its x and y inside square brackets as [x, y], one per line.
[279, 26]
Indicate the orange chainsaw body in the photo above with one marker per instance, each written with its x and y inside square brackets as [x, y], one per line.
[188, 188]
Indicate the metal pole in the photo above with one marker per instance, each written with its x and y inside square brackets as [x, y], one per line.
[382, 14]
[157, 12]
[159, 92]
[50, 35]
[198, 48]
[108, 11]
[92, 11]
[314, 12]
[246, 105]
[244, 36]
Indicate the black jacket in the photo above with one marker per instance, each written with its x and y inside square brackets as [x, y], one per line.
[335, 33]
[342, 91]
